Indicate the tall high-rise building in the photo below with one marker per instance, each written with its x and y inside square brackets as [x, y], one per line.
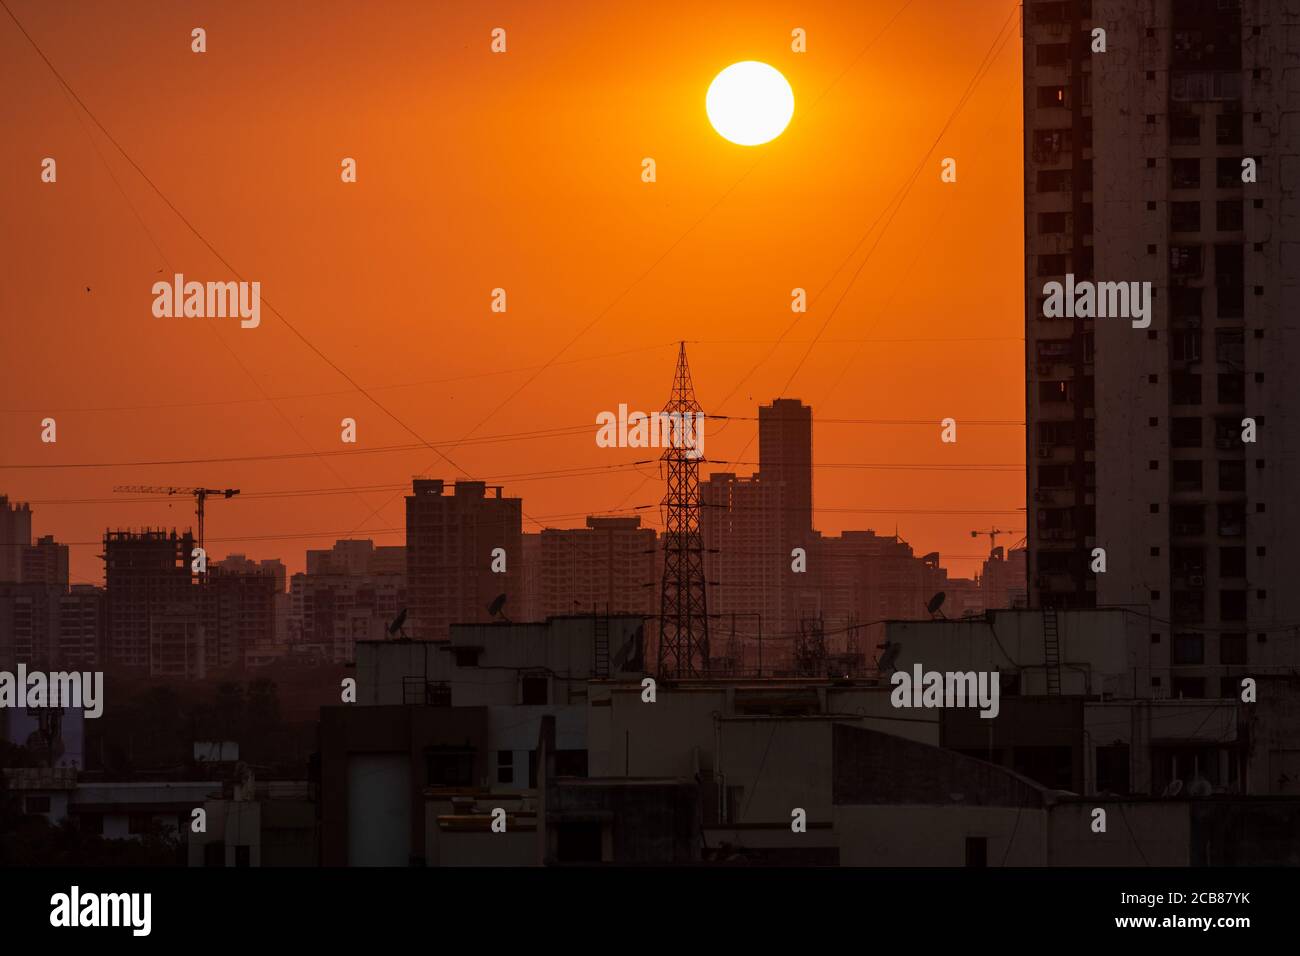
[239, 614]
[785, 457]
[45, 562]
[606, 567]
[752, 525]
[1166, 160]
[451, 549]
[29, 624]
[15, 536]
[81, 627]
[146, 574]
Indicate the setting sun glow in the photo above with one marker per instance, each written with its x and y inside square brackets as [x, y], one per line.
[749, 103]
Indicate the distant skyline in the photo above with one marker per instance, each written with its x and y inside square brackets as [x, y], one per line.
[519, 171]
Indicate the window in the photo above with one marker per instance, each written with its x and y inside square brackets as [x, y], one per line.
[1230, 346]
[1055, 391]
[1189, 649]
[1232, 562]
[1185, 173]
[1053, 181]
[1055, 12]
[243, 856]
[1232, 650]
[1049, 96]
[467, 656]
[977, 851]
[37, 803]
[1194, 87]
[1227, 129]
[1188, 687]
[1055, 350]
[1056, 433]
[1186, 389]
[1232, 388]
[1232, 476]
[1227, 172]
[1184, 129]
[1228, 215]
[1231, 301]
[1053, 222]
[1187, 519]
[139, 823]
[1051, 54]
[214, 853]
[92, 823]
[1230, 264]
[505, 766]
[1188, 606]
[1187, 345]
[1185, 303]
[1055, 562]
[534, 690]
[1054, 476]
[1232, 521]
[1186, 433]
[449, 767]
[1187, 561]
[1185, 261]
[1232, 605]
[1185, 216]
[1187, 475]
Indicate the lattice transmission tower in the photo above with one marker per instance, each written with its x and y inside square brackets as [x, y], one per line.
[683, 614]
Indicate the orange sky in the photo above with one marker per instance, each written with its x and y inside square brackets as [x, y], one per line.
[521, 171]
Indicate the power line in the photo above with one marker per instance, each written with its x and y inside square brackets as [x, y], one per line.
[882, 421]
[221, 403]
[289, 456]
[666, 253]
[896, 204]
[980, 72]
[222, 259]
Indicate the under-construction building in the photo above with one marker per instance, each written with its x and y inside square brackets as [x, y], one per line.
[146, 573]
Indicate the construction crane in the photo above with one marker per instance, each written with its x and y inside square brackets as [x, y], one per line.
[992, 534]
[200, 496]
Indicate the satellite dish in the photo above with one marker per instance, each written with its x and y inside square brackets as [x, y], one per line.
[885, 664]
[398, 621]
[1200, 787]
[1174, 789]
[935, 603]
[494, 609]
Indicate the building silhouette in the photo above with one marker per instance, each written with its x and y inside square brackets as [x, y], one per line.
[349, 593]
[607, 566]
[1135, 172]
[450, 541]
[146, 574]
[15, 537]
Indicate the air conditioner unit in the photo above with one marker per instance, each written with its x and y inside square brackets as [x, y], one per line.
[1045, 451]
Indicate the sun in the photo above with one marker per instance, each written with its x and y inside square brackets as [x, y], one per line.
[749, 103]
